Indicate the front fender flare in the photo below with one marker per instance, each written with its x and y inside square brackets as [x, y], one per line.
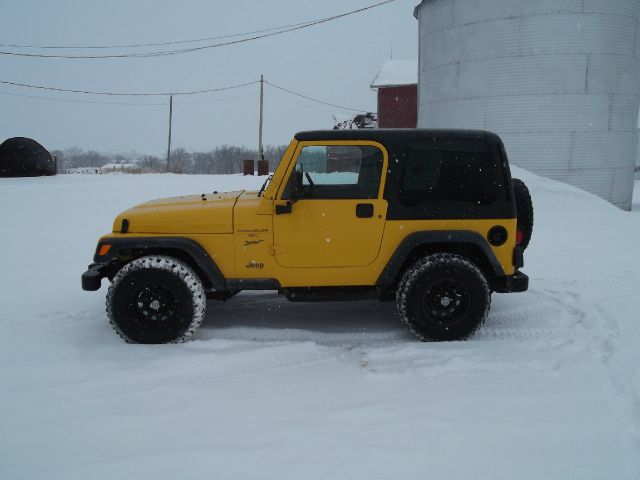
[123, 248]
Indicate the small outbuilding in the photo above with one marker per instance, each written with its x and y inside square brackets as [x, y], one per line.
[24, 157]
[397, 85]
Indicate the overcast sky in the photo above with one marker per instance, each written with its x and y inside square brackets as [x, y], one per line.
[335, 62]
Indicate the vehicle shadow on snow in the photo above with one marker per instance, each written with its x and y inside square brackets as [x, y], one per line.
[267, 316]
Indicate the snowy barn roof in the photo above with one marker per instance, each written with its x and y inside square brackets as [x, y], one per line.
[397, 72]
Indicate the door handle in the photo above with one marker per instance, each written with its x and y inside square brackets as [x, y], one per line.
[364, 210]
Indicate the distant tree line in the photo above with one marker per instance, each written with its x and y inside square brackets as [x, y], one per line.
[221, 160]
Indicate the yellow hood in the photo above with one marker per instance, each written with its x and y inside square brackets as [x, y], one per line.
[212, 213]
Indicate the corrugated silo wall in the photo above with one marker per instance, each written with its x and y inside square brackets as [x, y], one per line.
[559, 80]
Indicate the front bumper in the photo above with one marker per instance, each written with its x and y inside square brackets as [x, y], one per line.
[518, 282]
[92, 278]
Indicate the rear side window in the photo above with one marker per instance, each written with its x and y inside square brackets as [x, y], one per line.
[449, 172]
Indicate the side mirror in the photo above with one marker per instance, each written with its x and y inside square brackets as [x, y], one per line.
[283, 209]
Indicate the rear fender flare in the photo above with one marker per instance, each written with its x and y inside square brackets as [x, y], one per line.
[415, 240]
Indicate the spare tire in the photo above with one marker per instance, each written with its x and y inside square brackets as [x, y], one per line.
[524, 209]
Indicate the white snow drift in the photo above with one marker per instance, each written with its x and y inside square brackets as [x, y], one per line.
[548, 388]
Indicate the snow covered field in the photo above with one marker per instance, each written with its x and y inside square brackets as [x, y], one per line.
[549, 388]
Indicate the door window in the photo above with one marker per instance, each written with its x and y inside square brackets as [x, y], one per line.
[336, 172]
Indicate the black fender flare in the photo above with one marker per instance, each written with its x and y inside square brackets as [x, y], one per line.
[123, 249]
[418, 239]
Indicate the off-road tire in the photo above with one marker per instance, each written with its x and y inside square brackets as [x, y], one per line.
[524, 209]
[443, 297]
[177, 290]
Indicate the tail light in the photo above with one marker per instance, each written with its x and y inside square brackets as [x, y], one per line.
[519, 236]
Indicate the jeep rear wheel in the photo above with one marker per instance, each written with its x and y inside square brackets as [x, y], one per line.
[443, 297]
[156, 299]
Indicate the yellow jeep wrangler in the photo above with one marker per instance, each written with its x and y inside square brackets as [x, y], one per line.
[425, 217]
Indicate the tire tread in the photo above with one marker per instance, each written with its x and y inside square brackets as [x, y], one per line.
[413, 274]
[524, 210]
[178, 268]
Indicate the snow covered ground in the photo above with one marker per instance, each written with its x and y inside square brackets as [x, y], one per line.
[548, 388]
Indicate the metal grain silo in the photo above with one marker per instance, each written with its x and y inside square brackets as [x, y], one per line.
[559, 80]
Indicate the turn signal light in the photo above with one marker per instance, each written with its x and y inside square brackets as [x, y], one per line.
[104, 249]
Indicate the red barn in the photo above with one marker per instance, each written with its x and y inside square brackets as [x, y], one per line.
[397, 85]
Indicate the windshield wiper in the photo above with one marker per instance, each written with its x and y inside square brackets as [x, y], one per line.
[264, 185]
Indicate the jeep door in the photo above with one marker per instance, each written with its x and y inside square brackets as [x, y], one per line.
[330, 212]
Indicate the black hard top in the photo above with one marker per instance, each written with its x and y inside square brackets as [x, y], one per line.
[399, 144]
[395, 135]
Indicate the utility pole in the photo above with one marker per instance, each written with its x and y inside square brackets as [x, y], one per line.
[260, 147]
[170, 121]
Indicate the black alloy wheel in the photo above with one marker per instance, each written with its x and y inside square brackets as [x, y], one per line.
[152, 303]
[445, 302]
[156, 299]
[443, 296]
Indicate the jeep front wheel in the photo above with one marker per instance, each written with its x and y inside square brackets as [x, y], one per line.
[156, 299]
[443, 297]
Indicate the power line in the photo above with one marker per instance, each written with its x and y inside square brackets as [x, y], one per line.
[71, 100]
[203, 47]
[215, 100]
[158, 94]
[141, 104]
[121, 94]
[284, 98]
[315, 99]
[158, 44]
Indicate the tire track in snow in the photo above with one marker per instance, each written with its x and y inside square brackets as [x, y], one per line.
[54, 321]
[623, 400]
[601, 333]
[538, 336]
[260, 359]
[551, 317]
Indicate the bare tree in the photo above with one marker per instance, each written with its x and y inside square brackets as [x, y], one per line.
[204, 162]
[274, 153]
[151, 163]
[228, 159]
[225, 159]
[181, 161]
